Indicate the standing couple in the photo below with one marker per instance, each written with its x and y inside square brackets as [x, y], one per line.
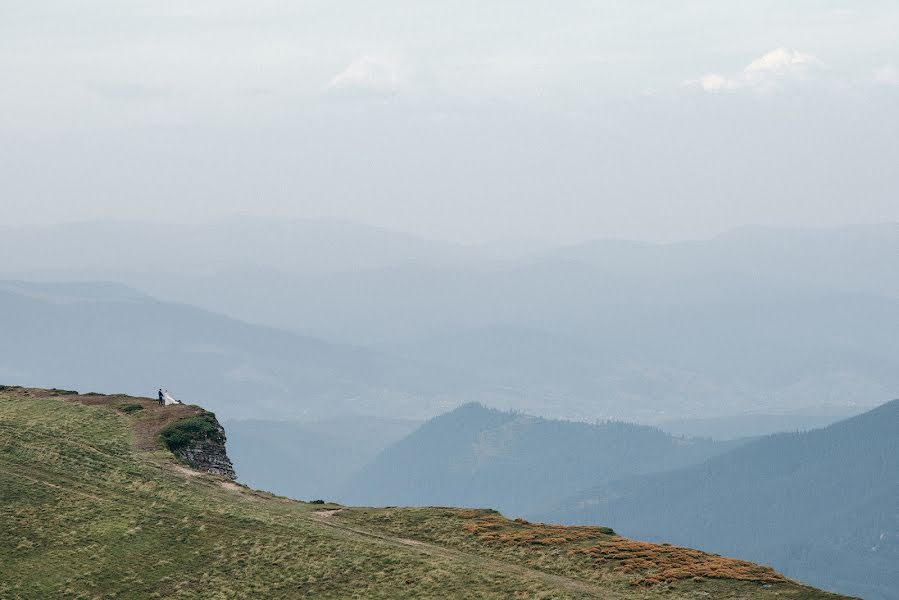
[165, 399]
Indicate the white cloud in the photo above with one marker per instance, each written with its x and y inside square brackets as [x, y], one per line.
[375, 75]
[781, 61]
[716, 83]
[887, 75]
[765, 72]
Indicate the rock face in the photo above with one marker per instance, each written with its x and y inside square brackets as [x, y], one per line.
[208, 455]
[202, 447]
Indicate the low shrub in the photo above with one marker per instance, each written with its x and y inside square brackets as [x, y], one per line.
[192, 429]
[130, 408]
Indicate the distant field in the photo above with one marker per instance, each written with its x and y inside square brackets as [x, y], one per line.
[91, 508]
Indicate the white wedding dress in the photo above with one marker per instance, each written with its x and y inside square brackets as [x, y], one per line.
[168, 400]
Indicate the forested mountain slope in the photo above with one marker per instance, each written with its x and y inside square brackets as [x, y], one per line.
[822, 506]
[518, 464]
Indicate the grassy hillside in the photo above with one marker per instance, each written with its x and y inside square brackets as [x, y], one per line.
[519, 464]
[820, 506]
[91, 507]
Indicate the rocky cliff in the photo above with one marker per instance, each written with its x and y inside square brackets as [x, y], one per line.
[199, 441]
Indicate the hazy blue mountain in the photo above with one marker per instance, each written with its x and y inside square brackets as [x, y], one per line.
[821, 506]
[857, 257]
[518, 464]
[568, 340]
[309, 460]
[742, 347]
[756, 321]
[107, 337]
[74, 291]
[558, 286]
[741, 426]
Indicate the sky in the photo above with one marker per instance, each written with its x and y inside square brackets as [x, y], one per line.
[472, 121]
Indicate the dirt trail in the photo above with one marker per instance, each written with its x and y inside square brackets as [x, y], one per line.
[473, 561]
[186, 471]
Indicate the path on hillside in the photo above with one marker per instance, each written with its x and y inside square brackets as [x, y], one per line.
[326, 519]
[472, 561]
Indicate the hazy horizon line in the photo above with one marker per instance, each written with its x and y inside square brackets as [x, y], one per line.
[545, 242]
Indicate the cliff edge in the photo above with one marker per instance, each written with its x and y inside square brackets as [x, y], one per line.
[190, 432]
[199, 441]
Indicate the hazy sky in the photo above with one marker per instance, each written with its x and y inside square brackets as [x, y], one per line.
[470, 120]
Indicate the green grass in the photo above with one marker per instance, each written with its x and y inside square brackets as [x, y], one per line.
[85, 515]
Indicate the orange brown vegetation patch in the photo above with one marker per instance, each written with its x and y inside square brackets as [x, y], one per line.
[650, 564]
[667, 564]
[496, 528]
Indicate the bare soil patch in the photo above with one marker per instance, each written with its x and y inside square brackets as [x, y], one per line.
[186, 471]
[409, 542]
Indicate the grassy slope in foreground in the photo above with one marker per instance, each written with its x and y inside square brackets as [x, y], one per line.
[90, 508]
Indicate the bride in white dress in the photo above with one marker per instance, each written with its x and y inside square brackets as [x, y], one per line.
[168, 400]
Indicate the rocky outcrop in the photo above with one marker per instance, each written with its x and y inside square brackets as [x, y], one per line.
[199, 441]
[209, 456]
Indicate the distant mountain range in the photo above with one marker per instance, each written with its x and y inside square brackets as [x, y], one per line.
[98, 335]
[756, 321]
[518, 464]
[820, 506]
